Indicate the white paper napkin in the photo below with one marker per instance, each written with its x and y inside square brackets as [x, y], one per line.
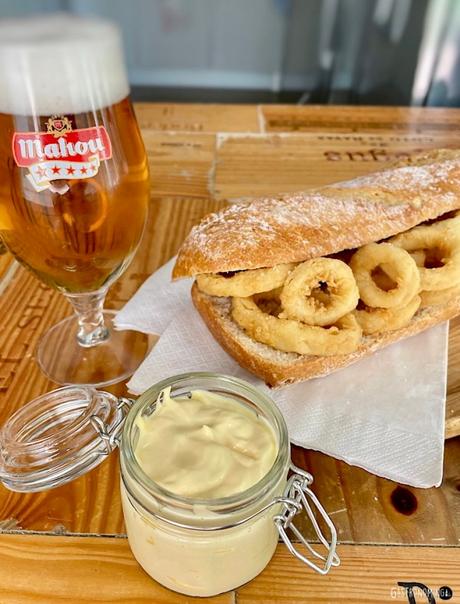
[384, 413]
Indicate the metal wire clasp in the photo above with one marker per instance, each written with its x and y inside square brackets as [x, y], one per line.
[110, 437]
[298, 496]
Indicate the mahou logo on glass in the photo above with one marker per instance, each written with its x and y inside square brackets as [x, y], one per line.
[61, 153]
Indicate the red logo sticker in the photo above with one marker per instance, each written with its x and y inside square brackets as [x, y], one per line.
[61, 153]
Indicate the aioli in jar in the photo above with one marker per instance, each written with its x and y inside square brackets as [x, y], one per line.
[201, 519]
[204, 446]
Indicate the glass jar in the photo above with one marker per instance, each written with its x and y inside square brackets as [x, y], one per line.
[193, 546]
[202, 547]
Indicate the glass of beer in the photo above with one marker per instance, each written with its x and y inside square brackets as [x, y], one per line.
[74, 183]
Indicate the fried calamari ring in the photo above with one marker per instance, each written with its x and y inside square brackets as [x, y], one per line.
[378, 320]
[441, 247]
[319, 292]
[383, 280]
[440, 296]
[244, 283]
[293, 336]
[397, 265]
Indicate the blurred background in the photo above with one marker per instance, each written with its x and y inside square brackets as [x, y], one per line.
[378, 52]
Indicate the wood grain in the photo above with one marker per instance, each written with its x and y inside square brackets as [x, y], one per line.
[453, 381]
[350, 120]
[256, 165]
[7, 268]
[191, 117]
[181, 164]
[369, 509]
[195, 166]
[43, 569]
[367, 574]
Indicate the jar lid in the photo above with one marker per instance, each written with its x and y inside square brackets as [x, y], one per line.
[59, 436]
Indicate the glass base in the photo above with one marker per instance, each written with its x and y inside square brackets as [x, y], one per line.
[63, 360]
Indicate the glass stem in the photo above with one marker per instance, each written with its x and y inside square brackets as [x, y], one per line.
[88, 308]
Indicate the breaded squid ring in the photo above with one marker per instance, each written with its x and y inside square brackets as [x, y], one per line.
[430, 238]
[378, 320]
[244, 283]
[440, 296]
[398, 266]
[293, 336]
[304, 299]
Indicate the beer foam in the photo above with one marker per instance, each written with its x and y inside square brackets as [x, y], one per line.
[58, 64]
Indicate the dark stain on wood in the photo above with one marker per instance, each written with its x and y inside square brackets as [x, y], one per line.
[404, 501]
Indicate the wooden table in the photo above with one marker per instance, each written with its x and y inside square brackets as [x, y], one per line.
[68, 543]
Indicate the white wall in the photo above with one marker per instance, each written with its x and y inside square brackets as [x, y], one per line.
[218, 43]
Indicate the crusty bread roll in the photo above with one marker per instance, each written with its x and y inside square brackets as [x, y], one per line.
[295, 228]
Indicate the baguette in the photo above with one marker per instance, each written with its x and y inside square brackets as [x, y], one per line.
[295, 228]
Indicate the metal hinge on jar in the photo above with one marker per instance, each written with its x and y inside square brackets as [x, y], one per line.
[297, 497]
[111, 437]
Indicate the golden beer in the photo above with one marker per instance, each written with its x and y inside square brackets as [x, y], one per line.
[74, 183]
[81, 239]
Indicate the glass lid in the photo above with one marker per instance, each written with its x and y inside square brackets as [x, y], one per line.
[59, 436]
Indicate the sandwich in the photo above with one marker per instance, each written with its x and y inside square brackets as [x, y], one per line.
[297, 286]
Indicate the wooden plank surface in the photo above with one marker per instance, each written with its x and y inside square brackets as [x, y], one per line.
[349, 120]
[261, 164]
[200, 156]
[43, 569]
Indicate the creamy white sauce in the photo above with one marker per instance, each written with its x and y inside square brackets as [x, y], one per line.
[204, 447]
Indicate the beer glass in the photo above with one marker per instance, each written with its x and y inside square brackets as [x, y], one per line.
[74, 183]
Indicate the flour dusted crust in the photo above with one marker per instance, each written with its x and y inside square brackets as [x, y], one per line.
[278, 368]
[297, 227]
